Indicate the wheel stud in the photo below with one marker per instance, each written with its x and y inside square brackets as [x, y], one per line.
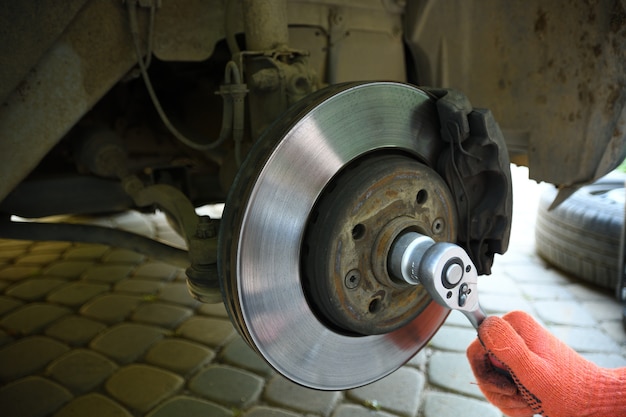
[353, 278]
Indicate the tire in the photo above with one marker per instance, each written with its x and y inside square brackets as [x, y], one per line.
[582, 235]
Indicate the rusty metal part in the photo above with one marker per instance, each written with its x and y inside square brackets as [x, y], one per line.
[66, 82]
[265, 24]
[349, 237]
[278, 75]
[553, 73]
[29, 28]
[200, 233]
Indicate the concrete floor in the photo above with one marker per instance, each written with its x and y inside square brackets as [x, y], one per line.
[93, 330]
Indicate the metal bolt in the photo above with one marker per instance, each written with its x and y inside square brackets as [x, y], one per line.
[353, 279]
[438, 225]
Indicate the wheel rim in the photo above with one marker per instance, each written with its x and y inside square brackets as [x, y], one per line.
[266, 218]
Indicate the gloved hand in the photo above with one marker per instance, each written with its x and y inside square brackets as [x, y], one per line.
[545, 375]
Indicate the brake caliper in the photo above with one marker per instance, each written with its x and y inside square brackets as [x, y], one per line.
[475, 165]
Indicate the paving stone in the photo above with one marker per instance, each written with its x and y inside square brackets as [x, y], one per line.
[7, 256]
[32, 317]
[5, 338]
[498, 303]
[28, 355]
[138, 286]
[606, 360]
[585, 339]
[141, 387]
[497, 284]
[453, 338]
[108, 273]
[586, 292]
[86, 251]
[177, 292]
[352, 410]
[156, 271]
[226, 385]
[68, 269]
[110, 308]
[32, 397]
[179, 355]
[615, 330]
[161, 314]
[439, 404]
[190, 407]
[458, 319]
[81, 370]
[9, 303]
[262, 411]
[40, 259]
[127, 341]
[18, 272]
[34, 289]
[93, 405]
[604, 310]
[75, 330]
[451, 371]
[283, 392]
[398, 393]
[238, 353]
[564, 313]
[77, 293]
[420, 360]
[215, 310]
[6, 244]
[536, 291]
[535, 273]
[123, 256]
[211, 331]
[49, 246]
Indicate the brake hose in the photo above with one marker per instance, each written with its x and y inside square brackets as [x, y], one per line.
[227, 115]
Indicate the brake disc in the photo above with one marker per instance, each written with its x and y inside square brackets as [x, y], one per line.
[308, 224]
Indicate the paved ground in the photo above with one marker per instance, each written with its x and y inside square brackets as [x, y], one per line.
[98, 331]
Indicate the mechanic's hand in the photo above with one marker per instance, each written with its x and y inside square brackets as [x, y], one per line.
[546, 376]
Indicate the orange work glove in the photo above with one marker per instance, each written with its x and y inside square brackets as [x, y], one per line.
[545, 376]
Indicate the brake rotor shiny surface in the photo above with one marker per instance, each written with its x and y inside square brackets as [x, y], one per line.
[265, 222]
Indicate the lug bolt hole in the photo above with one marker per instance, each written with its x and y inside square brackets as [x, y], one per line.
[358, 231]
[422, 197]
[375, 306]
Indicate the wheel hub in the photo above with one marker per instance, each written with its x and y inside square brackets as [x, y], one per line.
[350, 233]
[289, 240]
